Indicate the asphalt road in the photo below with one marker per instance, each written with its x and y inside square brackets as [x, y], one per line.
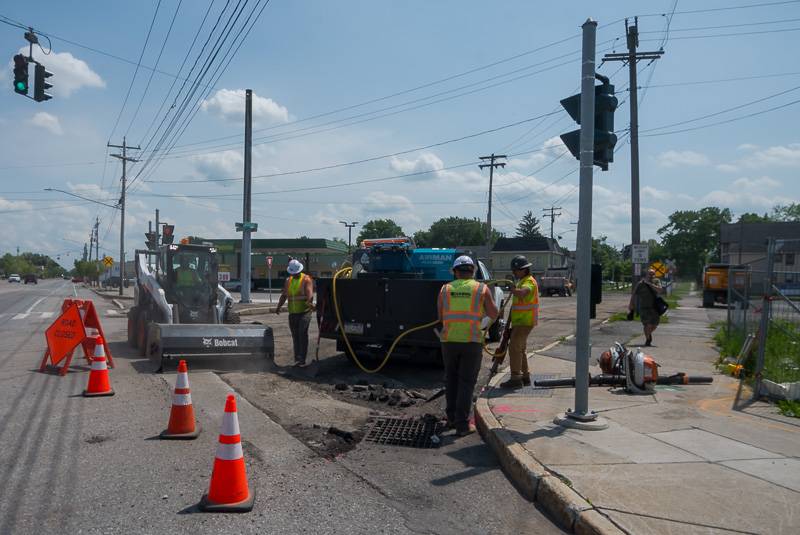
[77, 465]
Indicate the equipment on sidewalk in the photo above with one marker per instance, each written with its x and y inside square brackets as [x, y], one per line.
[181, 310]
[636, 372]
[182, 424]
[228, 491]
[99, 383]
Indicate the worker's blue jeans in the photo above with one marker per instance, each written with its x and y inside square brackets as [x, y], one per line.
[462, 362]
[298, 325]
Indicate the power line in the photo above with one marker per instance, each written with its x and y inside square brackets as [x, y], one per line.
[729, 8]
[723, 26]
[135, 71]
[735, 34]
[720, 80]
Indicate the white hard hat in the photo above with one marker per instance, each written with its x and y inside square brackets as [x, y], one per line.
[463, 260]
[295, 267]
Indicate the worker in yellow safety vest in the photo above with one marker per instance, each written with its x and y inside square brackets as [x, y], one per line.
[299, 291]
[524, 317]
[463, 304]
[185, 276]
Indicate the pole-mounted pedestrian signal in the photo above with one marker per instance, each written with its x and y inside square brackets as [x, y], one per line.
[168, 234]
[151, 240]
[40, 84]
[605, 139]
[20, 74]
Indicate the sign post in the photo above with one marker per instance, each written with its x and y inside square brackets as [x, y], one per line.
[269, 277]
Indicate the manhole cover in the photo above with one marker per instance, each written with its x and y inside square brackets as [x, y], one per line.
[409, 432]
[540, 391]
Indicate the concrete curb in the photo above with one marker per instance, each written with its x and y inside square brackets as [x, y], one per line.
[118, 303]
[568, 508]
[254, 311]
[106, 296]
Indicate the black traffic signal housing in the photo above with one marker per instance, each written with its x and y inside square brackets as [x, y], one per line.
[596, 289]
[151, 240]
[40, 83]
[605, 103]
[168, 234]
[21, 74]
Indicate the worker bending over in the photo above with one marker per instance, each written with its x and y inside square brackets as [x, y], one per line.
[462, 305]
[299, 290]
[524, 317]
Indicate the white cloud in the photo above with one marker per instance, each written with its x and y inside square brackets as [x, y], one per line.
[384, 203]
[69, 73]
[551, 149]
[727, 168]
[655, 194]
[674, 158]
[50, 122]
[216, 165]
[760, 183]
[747, 146]
[781, 155]
[228, 104]
[426, 161]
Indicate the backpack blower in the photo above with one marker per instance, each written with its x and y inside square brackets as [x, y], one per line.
[636, 372]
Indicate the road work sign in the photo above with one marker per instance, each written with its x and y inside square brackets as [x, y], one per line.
[108, 261]
[63, 336]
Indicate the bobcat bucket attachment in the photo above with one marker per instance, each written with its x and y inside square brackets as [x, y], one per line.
[167, 342]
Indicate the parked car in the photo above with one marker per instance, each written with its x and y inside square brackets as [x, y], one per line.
[76, 278]
[235, 285]
[30, 278]
[14, 278]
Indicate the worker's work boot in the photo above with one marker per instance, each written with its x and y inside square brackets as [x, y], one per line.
[526, 379]
[514, 382]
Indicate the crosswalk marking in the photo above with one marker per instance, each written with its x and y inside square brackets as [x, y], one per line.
[21, 316]
[48, 315]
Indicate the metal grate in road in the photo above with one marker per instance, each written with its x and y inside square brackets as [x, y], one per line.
[408, 432]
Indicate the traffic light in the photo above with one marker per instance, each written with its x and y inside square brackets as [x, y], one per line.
[151, 240]
[40, 84]
[20, 74]
[605, 103]
[167, 234]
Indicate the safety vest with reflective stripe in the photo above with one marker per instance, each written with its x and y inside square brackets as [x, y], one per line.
[298, 302]
[186, 277]
[525, 310]
[462, 310]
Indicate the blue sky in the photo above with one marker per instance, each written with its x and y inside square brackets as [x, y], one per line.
[307, 58]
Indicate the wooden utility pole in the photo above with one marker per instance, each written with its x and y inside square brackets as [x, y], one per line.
[125, 159]
[552, 214]
[632, 58]
[491, 165]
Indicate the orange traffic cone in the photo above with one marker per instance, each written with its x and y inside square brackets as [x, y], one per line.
[228, 491]
[99, 385]
[182, 425]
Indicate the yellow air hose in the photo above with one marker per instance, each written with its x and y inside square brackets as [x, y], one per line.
[348, 271]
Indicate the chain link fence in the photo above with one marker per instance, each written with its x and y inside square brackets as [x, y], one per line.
[764, 304]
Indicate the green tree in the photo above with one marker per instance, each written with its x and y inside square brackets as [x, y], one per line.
[692, 238]
[86, 269]
[788, 212]
[16, 264]
[528, 227]
[379, 228]
[455, 231]
[751, 217]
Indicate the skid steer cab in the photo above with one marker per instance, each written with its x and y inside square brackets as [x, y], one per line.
[181, 312]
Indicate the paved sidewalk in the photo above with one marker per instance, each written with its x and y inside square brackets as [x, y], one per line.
[679, 461]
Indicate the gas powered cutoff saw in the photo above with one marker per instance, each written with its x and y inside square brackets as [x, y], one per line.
[637, 372]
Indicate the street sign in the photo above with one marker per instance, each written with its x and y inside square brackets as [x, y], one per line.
[269, 261]
[224, 276]
[640, 253]
[108, 261]
[660, 268]
[252, 227]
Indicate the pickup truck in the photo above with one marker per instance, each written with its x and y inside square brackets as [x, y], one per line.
[556, 281]
[394, 287]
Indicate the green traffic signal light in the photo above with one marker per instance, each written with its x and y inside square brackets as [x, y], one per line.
[21, 86]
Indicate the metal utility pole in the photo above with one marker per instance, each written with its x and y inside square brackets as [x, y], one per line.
[551, 212]
[97, 239]
[632, 57]
[349, 234]
[581, 417]
[248, 148]
[491, 165]
[125, 159]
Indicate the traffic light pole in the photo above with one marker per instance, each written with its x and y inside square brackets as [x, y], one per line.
[248, 148]
[125, 159]
[581, 417]
[632, 57]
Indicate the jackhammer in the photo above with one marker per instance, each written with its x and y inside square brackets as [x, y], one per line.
[636, 372]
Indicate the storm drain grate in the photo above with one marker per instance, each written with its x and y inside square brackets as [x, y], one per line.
[408, 432]
[540, 391]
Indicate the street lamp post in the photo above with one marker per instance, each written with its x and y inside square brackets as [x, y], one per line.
[349, 234]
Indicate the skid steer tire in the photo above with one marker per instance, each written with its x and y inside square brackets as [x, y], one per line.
[142, 325]
[133, 316]
[231, 317]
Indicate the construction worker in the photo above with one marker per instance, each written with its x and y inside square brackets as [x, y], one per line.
[299, 291]
[462, 305]
[524, 317]
[185, 275]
